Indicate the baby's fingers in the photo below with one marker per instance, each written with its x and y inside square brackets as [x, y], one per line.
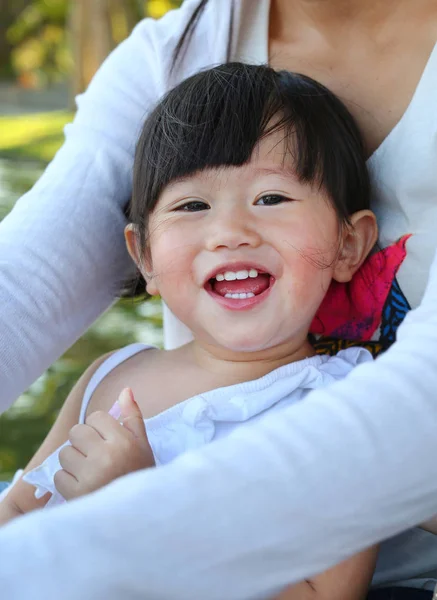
[84, 438]
[71, 460]
[67, 485]
[106, 426]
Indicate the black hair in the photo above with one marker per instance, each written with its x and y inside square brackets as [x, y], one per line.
[216, 118]
[188, 32]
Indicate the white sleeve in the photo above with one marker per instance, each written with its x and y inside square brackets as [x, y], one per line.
[62, 252]
[274, 503]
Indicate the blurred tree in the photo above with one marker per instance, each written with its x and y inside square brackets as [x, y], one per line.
[51, 39]
[97, 26]
[9, 12]
[40, 54]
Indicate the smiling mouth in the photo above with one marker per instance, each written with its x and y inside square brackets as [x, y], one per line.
[239, 285]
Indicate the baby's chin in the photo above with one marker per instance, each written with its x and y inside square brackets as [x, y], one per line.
[245, 343]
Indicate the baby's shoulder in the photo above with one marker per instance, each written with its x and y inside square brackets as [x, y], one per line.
[126, 367]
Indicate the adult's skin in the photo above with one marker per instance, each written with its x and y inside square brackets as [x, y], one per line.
[372, 55]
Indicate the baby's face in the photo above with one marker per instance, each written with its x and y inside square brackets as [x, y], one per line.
[244, 255]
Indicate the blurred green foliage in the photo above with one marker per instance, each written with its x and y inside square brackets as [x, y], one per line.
[41, 38]
[37, 136]
[24, 426]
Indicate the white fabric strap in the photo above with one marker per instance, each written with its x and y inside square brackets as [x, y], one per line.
[106, 367]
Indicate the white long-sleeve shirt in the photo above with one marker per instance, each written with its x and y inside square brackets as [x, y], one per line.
[350, 466]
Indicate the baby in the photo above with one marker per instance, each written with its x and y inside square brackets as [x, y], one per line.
[250, 196]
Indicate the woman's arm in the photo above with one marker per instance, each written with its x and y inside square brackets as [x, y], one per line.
[268, 506]
[349, 580]
[21, 497]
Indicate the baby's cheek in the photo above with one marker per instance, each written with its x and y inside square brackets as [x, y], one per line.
[308, 285]
[174, 278]
[171, 260]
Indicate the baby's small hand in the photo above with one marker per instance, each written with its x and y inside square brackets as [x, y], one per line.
[104, 449]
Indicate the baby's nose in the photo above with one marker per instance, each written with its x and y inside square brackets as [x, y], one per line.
[234, 234]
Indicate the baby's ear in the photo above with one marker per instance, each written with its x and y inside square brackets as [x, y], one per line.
[143, 260]
[358, 240]
[132, 238]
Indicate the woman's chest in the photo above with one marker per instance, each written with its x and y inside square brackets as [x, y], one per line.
[376, 81]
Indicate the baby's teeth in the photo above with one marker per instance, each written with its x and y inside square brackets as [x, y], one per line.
[241, 296]
[232, 275]
[242, 274]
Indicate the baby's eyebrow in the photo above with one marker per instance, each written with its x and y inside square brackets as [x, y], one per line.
[178, 180]
[284, 171]
[201, 175]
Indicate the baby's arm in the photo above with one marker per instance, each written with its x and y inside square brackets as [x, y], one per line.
[349, 580]
[21, 498]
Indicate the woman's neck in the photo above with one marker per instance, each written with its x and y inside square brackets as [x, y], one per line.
[328, 17]
[235, 367]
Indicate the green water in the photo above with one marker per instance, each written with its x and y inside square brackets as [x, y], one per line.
[24, 426]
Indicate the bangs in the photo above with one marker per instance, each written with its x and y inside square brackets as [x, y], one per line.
[217, 117]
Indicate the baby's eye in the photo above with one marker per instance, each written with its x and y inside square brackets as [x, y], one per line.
[193, 206]
[271, 200]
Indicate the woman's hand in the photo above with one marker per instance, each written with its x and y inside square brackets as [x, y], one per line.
[103, 449]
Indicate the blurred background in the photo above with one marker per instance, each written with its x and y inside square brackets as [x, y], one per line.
[49, 51]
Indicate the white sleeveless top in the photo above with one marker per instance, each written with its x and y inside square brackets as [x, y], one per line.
[214, 414]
